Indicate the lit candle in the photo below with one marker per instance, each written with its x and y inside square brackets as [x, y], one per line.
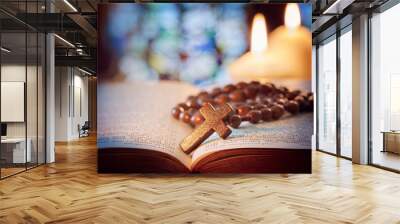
[292, 45]
[258, 63]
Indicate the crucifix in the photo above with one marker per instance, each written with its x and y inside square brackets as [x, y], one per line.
[213, 121]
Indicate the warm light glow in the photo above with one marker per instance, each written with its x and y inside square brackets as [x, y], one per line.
[292, 16]
[258, 34]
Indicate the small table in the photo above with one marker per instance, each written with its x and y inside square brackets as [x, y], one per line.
[13, 150]
[391, 141]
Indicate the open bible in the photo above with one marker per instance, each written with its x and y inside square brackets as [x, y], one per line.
[136, 133]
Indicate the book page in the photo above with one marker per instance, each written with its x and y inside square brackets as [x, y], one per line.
[290, 132]
[138, 115]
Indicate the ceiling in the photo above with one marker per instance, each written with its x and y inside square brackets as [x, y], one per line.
[76, 22]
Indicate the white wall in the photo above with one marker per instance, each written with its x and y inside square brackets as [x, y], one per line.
[33, 127]
[71, 102]
[12, 73]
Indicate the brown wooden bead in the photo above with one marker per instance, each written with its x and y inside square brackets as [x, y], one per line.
[259, 106]
[222, 98]
[299, 98]
[255, 83]
[267, 101]
[192, 103]
[191, 97]
[255, 116]
[185, 117]
[277, 111]
[265, 89]
[282, 101]
[245, 118]
[236, 95]
[292, 107]
[197, 119]
[203, 94]
[235, 121]
[241, 85]
[250, 92]
[191, 111]
[301, 101]
[283, 90]
[292, 94]
[228, 88]
[278, 96]
[182, 107]
[216, 91]
[260, 97]
[204, 101]
[243, 110]
[310, 100]
[176, 112]
[266, 114]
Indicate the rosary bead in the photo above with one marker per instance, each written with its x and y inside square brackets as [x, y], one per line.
[265, 89]
[245, 118]
[259, 106]
[228, 88]
[277, 111]
[250, 92]
[292, 107]
[185, 117]
[216, 91]
[292, 94]
[255, 83]
[241, 85]
[282, 101]
[310, 100]
[255, 116]
[235, 121]
[203, 102]
[176, 112]
[182, 107]
[236, 96]
[259, 98]
[283, 90]
[191, 97]
[222, 98]
[301, 100]
[243, 110]
[191, 111]
[267, 101]
[197, 119]
[266, 114]
[203, 94]
[192, 103]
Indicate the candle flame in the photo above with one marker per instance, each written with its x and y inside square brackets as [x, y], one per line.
[258, 34]
[292, 16]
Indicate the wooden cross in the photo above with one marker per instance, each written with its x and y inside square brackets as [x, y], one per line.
[213, 121]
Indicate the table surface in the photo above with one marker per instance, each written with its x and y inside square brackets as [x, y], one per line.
[390, 132]
[13, 140]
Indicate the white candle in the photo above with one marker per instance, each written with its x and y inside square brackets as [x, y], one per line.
[292, 45]
[258, 63]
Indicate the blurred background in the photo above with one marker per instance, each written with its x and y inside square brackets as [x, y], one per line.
[189, 42]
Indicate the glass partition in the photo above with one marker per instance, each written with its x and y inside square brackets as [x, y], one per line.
[327, 96]
[385, 89]
[13, 108]
[346, 93]
[22, 107]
